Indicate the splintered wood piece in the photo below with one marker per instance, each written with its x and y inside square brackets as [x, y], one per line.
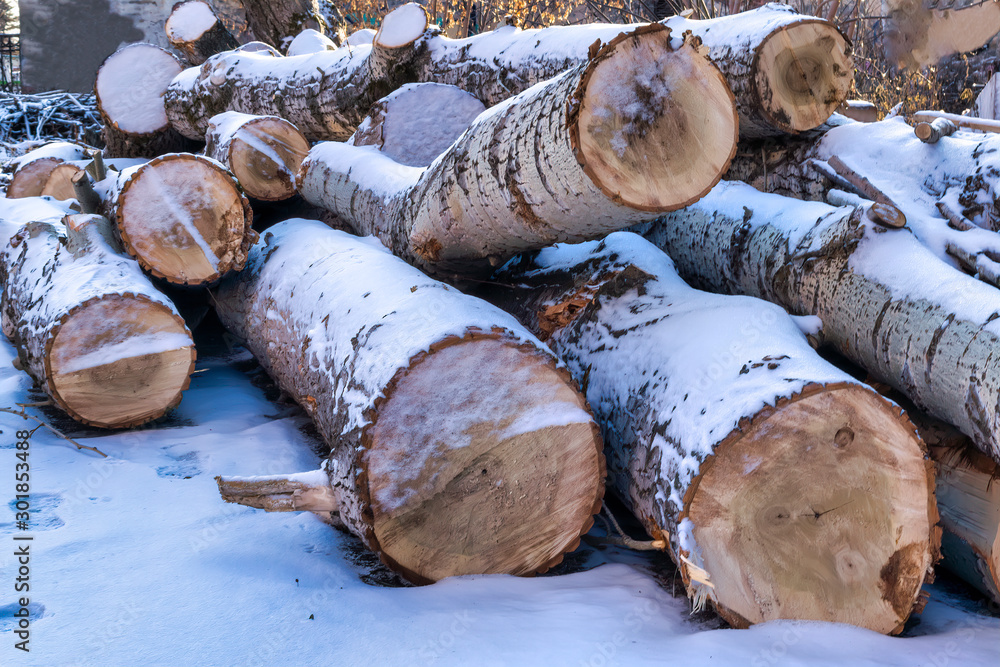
[263, 152]
[890, 214]
[302, 492]
[654, 125]
[119, 360]
[804, 72]
[195, 31]
[512, 498]
[183, 218]
[846, 537]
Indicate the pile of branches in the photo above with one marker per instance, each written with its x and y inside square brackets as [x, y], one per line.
[53, 115]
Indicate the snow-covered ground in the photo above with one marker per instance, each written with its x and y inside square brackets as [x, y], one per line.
[135, 560]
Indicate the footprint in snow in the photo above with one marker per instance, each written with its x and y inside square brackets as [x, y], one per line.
[42, 513]
[184, 466]
[7, 611]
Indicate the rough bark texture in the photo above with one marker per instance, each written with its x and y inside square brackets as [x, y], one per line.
[326, 95]
[125, 145]
[199, 48]
[887, 302]
[341, 85]
[697, 394]
[183, 217]
[524, 173]
[277, 21]
[263, 152]
[503, 469]
[89, 327]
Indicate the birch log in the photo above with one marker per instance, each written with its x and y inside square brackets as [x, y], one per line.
[969, 501]
[418, 122]
[961, 171]
[277, 21]
[458, 446]
[705, 403]
[129, 87]
[640, 128]
[325, 95]
[193, 29]
[789, 71]
[887, 302]
[263, 152]
[89, 327]
[182, 216]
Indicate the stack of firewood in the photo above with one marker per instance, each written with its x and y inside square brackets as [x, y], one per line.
[475, 376]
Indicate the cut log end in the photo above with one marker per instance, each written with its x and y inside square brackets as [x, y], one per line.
[519, 493]
[130, 86]
[119, 361]
[822, 510]
[656, 127]
[189, 21]
[402, 26]
[265, 154]
[184, 219]
[36, 178]
[804, 72]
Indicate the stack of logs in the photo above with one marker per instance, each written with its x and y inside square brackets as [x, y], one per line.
[470, 367]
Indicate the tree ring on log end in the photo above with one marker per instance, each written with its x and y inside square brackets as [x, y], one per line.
[184, 219]
[792, 524]
[119, 360]
[31, 179]
[505, 483]
[803, 72]
[265, 154]
[656, 126]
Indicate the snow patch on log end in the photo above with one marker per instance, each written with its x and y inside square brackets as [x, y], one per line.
[131, 84]
[190, 21]
[402, 26]
[361, 37]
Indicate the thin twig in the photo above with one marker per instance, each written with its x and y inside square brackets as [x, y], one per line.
[25, 415]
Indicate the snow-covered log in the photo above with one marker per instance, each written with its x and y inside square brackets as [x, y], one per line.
[968, 495]
[276, 22]
[194, 30]
[89, 327]
[789, 71]
[887, 302]
[642, 127]
[130, 86]
[263, 152]
[182, 216]
[458, 445]
[415, 124]
[706, 404]
[326, 95]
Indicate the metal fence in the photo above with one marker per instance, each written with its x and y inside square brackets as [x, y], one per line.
[10, 63]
